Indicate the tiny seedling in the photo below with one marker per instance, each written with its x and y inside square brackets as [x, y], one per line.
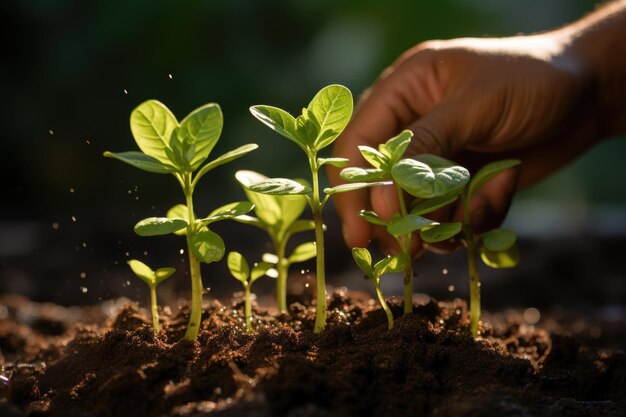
[316, 128]
[497, 247]
[363, 259]
[435, 181]
[279, 216]
[152, 279]
[180, 149]
[240, 269]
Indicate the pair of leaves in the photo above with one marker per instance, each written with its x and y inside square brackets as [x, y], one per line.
[363, 258]
[147, 275]
[429, 176]
[301, 253]
[240, 268]
[399, 226]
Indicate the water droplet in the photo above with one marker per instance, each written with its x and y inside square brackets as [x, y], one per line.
[479, 285]
[125, 91]
[145, 253]
[302, 272]
[169, 75]
[450, 287]
[84, 289]
[444, 271]
[127, 254]
[130, 191]
[127, 283]
[306, 285]
[55, 226]
[74, 218]
[531, 315]
[458, 311]
[88, 142]
[83, 274]
[51, 131]
[71, 190]
[84, 244]
[181, 251]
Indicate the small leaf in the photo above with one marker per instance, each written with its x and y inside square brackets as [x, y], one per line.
[343, 188]
[363, 259]
[372, 217]
[238, 266]
[279, 186]
[488, 172]
[226, 158]
[303, 252]
[155, 226]
[408, 224]
[259, 269]
[498, 240]
[336, 162]
[375, 158]
[143, 271]
[202, 128]
[179, 211]
[152, 124]
[504, 259]
[332, 107]
[250, 220]
[353, 174]
[395, 147]
[388, 265]
[141, 161]
[162, 274]
[278, 120]
[228, 211]
[440, 232]
[429, 205]
[429, 176]
[270, 258]
[302, 226]
[208, 246]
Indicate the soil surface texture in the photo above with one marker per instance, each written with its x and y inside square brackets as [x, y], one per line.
[106, 360]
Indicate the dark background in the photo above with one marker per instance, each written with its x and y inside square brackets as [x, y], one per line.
[73, 70]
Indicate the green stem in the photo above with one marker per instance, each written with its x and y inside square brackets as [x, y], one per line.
[383, 303]
[408, 269]
[154, 310]
[472, 270]
[195, 315]
[316, 207]
[281, 281]
[248, 308]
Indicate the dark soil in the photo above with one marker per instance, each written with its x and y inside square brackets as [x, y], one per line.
[106, 361]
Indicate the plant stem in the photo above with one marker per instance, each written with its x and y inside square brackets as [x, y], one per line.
[408, 269]
[281, 281]
[195, 315]
[248, 308]
[472, 270]
[316, 207]
[383, 303]
[154, 310]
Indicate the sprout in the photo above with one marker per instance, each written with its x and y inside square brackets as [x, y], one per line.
[152, 279]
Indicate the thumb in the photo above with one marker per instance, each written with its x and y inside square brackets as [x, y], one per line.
[435, 133]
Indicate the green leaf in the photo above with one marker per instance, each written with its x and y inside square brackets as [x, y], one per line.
[208, 246]
[375, 158]
[307, 129]
[422, 207]
[238, 266]
[155, 226]
[303, 252]
[141, 161]
[162, 274]
[303, 226]
[388, 265]
[395, 147]
[225, 158]
[259, 269]
[278, 120]
[251, 220]
[143, 271]
[429, 176]
[332, 107]
[228, 211]
[372, 217]
[336, 162]
[504, 259]
[363, 259]
[279, 186]
[202, 128]
[179, 211]
[408, 224]
[152, 124]
[498, 240]
[440, 232]
[488, 172]
[353, 174]
[343, 188]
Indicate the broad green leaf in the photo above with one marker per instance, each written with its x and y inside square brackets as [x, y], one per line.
[226, 158]
[152, 124]
[179, 211]
[429, 205]
[429, 176]
[303, 226]
[303, 252]
[208, 246]
[141, 161]
[372, 217]
[228, 211]
[155, 226]
[278, 120]
[259, 269]
[343, 188]
[336, 162]
[279, 186]
[162, 274]
[488, 172]
[388, 264]
[408, 224]
[143, 271]
[363, 259]
[202, 128]
[504, 259]
[440, 232]
[498, 240]
[375, 158]
[238, 266]
[395, 147]
[332, 107]
[353, 174]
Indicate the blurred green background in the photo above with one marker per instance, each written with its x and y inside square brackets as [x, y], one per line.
[74, 69]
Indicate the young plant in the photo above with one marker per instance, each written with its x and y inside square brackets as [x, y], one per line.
[180, 149]
[363, 259]
[152, 278]
[279, 216]
[437, 183]
[497, 247]
[317, 127]
[240, 269]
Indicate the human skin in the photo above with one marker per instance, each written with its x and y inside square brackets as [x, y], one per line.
[544, 99]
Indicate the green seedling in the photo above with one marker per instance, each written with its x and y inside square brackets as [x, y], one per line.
[320, 123]
[435, 181]
[279, 216]
[180, 149]
[152, 279]
[497, 247]
[363, 259]
[240, 269]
